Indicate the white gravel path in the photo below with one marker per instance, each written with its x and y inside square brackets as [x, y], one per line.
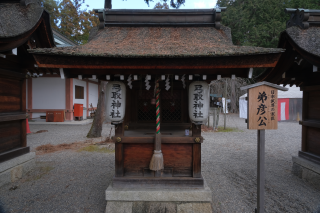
[70, 181]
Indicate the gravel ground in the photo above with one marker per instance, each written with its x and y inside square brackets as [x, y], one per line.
[70, 181]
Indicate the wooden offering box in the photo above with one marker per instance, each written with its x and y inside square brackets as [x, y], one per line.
[136, 136]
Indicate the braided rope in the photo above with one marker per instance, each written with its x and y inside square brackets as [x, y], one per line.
[157, 107]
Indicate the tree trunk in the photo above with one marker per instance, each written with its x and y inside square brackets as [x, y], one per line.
[96, 128]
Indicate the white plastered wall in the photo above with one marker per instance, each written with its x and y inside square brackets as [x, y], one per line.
[93, 94]
[48, 93]
[83, 101]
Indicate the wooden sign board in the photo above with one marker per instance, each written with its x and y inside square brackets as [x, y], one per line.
[262, 107]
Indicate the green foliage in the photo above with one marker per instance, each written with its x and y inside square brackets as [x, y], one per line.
[68, 18]
[95, 148]
[173, 3]
[259, 22]
[306, 4]
[52, 7]
[161, 6]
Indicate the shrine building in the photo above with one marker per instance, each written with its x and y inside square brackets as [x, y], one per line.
[300, 65]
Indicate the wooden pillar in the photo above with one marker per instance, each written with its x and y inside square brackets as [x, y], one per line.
[304, 117]
[87, 105]
[30, 96]
[69, 99]
[119, 131]
[99, 88]
[23, 109]
[196, 155]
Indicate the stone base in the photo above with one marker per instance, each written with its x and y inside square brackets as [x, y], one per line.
[155, 200]
[157, 183]
[306, 170]
[12, 170]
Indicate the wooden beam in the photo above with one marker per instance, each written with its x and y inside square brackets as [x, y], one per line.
[305, 109]
[157, 182]
[119, 168]
[23, 134]
[164, 139]
[11, 74]
[196, 152]
[69, 98]
[286, 81]
[44, 110]
[196, 160]
[310, 123]
[49, 70]
[80, 62]
[23, 103]
[87, 98]
[196, 130]
[12, 117]
[29, 91]
[14, 153]
[10, 65]
[226, 72]
[309, 156]
[310, 88]
[285, 62]
[51, 76]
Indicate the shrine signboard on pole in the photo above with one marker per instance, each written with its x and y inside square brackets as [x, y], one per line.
[262, 115]
[262, 107]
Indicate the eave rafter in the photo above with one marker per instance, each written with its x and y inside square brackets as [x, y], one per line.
[205, 65]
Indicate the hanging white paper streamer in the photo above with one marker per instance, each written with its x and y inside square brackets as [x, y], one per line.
[147, 83]
[167, 83]
[183, 81]
[130, 81]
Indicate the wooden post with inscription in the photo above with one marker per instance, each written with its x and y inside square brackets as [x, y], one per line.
[262, 115]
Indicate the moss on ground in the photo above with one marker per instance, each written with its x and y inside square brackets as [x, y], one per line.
[228, 129]
[95, 148]
[38, 173]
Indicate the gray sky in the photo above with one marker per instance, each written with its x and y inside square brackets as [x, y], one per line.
[140, 4]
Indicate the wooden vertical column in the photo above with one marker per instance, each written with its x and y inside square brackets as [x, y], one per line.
[196, 155]
[119, 131]
[23, 109]
[87, 104]
[304, 117]
[69, 99]
[30, 96]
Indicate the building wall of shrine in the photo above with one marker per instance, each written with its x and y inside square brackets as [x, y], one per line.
[83, 84]
[50, 93]
[93, 94]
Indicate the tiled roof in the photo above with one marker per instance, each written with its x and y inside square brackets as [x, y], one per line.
[153, 41]
[16, 19]
[307, 39]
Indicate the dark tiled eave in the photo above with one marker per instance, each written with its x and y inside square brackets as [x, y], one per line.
[182, 17]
